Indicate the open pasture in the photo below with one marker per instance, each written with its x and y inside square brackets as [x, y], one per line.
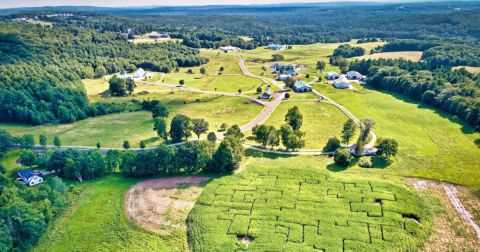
[96, 221]
[406, 55]
[474, 70]
[111, 130]
[432, 144]
[283, 209]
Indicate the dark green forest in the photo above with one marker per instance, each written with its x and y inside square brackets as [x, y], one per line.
[301, 24]
[41, 69]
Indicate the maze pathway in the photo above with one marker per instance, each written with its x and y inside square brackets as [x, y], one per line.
[269, 212]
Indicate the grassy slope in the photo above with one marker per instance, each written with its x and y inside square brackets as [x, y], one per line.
[432, 144]
[111, 130]
[9, 161]
[96, 222]
[320, 121]
[264, 202]
[407, 55]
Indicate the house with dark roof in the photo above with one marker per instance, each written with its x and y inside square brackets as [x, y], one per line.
[267, 95]
[30, 177]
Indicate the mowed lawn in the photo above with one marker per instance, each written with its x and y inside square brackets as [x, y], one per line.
[280, 203]
[432, 144]
[112, 130]
[96, 222]
[407, 55]
[320, 121]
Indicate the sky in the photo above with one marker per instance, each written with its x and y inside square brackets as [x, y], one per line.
[123, 3]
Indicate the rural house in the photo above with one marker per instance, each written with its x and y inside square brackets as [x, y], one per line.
[332, 75]
[228, 49]
[156, 35]
[301, 87]
[354, 75]
[284, 69]
[30, 177]
[267, 94]
[276, 47]
[341, 82]
[139, 73]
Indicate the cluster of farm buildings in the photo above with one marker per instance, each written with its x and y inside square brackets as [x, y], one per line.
[137, 75]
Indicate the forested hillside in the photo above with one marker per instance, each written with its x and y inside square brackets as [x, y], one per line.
[41, 69]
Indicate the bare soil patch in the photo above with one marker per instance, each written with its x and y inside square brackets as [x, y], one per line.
[451, 232]
[162, 205]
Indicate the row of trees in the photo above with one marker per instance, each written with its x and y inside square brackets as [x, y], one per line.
[289, 133]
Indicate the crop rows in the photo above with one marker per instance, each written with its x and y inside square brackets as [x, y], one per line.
[286, 212]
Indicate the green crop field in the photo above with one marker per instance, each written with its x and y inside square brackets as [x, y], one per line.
[287, 204]
[112, 130]
[96, 222]
[432, 144]
[320, 121]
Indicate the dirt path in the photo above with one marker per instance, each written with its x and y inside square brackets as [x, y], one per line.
[451, 192]
[452, 222]
[162, 205]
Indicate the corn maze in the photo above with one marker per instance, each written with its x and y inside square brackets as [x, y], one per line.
[306, 211]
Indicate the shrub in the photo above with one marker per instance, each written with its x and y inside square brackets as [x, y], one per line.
[287, 95]
[342, 157]
[332, 144]
[365, 162]
[259, 89]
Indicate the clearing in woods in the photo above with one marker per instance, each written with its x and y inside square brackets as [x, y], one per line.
[406, 55]
[305, 210]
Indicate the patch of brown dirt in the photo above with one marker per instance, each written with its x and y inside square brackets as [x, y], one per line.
[450, 231]
[162, 205]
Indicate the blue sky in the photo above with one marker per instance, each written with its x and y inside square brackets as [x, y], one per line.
[115, 3]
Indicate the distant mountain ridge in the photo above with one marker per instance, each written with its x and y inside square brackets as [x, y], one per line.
[212, 9]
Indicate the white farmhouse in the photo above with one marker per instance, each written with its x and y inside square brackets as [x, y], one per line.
[139, 73]
[341, 82]
[30, 177]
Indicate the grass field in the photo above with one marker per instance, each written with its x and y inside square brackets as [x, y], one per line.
[307, 55]
[9, 161]
[96, 222]
[320, 121]
[112, 130]
[474, 70]
[407, 55]
[432, 144]
[288, 204]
